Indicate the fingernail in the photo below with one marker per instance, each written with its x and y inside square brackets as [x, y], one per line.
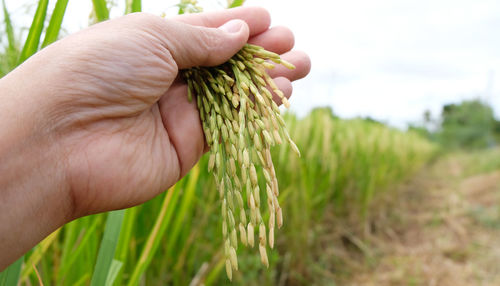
[232, 26]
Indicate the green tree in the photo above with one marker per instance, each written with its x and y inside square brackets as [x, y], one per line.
[470, 124]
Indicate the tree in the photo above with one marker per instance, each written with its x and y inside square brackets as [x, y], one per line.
[470, 124]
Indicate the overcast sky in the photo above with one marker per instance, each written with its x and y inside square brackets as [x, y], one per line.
[388, 59]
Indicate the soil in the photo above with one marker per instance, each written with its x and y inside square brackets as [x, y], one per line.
[442, 228]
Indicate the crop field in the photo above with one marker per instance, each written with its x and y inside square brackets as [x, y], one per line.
[176, 238]
[349, 172]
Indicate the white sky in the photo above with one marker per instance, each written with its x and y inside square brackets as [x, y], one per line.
[388, 59]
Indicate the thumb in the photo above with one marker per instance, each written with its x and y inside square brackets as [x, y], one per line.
[200, 46]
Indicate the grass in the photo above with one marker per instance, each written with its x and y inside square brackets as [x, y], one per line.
[170, 239]
[176, 237]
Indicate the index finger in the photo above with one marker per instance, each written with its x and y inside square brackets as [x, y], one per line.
[257, 18]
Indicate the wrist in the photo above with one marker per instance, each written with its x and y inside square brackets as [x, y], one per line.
[34, 199]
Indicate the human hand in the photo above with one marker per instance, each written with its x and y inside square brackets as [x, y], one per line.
[110, 117]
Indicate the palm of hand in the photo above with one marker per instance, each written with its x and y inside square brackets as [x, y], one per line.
[131, 125]
[129, 130]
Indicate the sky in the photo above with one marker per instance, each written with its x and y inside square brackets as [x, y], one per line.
[387, 59]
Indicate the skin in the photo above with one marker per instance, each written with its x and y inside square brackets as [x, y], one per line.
[100, 120]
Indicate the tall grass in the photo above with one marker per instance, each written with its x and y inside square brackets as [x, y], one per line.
[175, 238]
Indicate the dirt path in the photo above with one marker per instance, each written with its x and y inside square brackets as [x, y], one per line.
[443, 229]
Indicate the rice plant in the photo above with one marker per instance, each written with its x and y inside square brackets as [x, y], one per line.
[175, 238]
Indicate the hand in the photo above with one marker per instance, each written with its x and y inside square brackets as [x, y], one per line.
[100, 120]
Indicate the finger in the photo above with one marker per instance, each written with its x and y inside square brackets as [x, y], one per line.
[198, 46]
[299, 59]
[258, 19]
[182, 122]
[190, 45]
[277, 39]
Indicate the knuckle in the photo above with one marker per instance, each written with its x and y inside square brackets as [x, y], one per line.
[210, 42]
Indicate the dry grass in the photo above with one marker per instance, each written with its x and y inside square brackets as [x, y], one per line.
[443, 228]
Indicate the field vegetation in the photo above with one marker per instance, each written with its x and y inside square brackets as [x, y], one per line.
[332, 197]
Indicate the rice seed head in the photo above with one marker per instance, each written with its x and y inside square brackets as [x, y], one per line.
[236, 106]
[243, 217]
[211, 162]
[250, 234]
[279, 217]
[246, 158]
[224, 228]
[234, 238]
[233, 258]
[243, 234]
[263, 255]
[262, 234]
[253, 175]
[229, 270]
[256, 195]
[271, 237]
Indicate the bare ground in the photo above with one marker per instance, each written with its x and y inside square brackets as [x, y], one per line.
[442, 228]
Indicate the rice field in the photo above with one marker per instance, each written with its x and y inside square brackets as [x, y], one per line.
[176, 238]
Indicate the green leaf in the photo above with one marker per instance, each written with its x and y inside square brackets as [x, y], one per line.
[161, 223]
[126, 235]
[8, 27]
[12, 52]
[107, 248]
[73, 252]
[236, 3]
[38, 253]
[133, 6]
[184, 210]
[101, 10]
[33, 40]
[55, 22]
[10, 276]
[116, 265]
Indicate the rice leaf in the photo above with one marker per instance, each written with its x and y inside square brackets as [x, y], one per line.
[72, 251]
[186, 207]
[107, 247]
[116, 265]
[133, 6]
[8, 27]
[236, 3]
[126, 235]
[155, 235]
[38, 253]
[83, 280]
[101, 10]
[10, 276]
[55, 22]
[33, 40]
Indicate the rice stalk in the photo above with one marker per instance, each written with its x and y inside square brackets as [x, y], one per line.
[241, 122]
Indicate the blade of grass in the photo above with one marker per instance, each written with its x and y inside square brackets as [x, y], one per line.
[133, 6]
[33, 39]
[12, 52]
[186, 206]
[10, 276]
[124, 241]
[55, 22]
[236, 3]
[101, 10]
[116, 265]
[37, 254]
[72, 256]
[156, 233]
[214, 273]
[108, 247]
[82, 280]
